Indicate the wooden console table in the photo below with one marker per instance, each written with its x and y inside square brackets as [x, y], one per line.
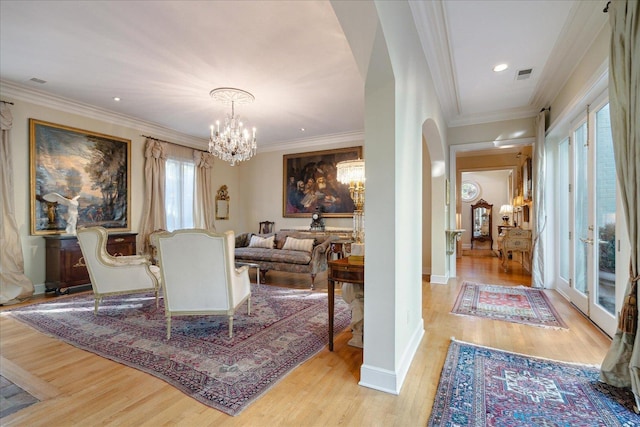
[340, 270]
[65, 264]
[514, 240]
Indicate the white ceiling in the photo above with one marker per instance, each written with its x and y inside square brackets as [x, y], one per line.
[163, 57]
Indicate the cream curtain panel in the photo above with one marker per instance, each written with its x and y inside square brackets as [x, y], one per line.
[14, 285]
[621, 366]
[153, 212]
[204, 200]
[539, 209]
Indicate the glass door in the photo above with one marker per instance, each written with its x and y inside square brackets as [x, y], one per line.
[581, 228]
[602, 307]
[593, 250]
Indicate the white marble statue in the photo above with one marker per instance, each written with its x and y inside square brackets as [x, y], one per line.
[353, 294]
[72, 209]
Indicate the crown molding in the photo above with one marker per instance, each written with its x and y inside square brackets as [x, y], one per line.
[48, 100]
[315, 142]
[431, 24]
[583, 26]
[495, 116]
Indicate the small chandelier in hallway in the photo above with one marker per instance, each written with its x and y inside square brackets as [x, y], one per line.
[234, 143]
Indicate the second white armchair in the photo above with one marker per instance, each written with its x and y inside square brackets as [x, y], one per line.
[199, 276]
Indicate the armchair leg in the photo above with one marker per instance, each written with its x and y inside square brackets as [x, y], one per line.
[249, 306]
[230, 326]
[168, 327]
[96, 303]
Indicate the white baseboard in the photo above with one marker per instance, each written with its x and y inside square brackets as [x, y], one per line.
[389, 381]
[39, 289]
[439, 280]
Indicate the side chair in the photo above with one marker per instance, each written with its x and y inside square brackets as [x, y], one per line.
[266, 227]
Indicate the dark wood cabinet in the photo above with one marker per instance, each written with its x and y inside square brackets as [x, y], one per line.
[65, 264]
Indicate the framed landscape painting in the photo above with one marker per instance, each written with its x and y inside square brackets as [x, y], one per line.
[310, 184]
[72, 165]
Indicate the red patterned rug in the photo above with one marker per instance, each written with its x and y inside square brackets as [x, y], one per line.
[286, 327]
[512, 304]
[482, 387]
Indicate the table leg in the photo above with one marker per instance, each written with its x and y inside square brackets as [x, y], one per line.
[332, 289]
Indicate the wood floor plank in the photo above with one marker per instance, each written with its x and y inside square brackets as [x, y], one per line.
[93, 391]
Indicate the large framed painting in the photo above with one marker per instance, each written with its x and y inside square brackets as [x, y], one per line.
[78, 178]
[310, 183]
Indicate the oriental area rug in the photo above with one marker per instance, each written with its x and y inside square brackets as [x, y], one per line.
[480, 386]
[286, 327]
[512, 304]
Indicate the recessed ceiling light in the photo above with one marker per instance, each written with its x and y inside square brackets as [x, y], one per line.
[301, 129]
[116, 98]
[500, 67]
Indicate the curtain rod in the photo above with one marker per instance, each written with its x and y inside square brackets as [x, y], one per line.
[174, 143]
[606, 8]
[156, 139]
[7, 102]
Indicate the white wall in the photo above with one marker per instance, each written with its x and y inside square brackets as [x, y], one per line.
[399, 98]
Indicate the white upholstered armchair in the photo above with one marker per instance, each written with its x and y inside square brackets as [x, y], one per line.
[112, 275]
[199, 275]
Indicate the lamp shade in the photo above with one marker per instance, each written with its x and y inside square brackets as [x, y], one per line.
[506, 209]
[350, 171]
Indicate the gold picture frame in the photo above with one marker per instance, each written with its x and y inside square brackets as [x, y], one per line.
[90, 168]
[222, 203]
[310, 184]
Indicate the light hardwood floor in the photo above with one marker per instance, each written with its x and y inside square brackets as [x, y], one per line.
[87, 390]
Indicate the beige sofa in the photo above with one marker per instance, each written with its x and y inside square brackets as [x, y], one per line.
[280, 257]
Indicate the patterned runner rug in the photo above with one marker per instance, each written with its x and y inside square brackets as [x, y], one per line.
[512, 304]
[286, 327]
[480, 386]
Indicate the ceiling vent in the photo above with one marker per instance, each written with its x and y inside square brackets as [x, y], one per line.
[524, 74]
[37, 80]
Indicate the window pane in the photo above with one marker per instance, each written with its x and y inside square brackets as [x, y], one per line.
[179, 185]
[605, 211]
[562, 200]
[581, 208]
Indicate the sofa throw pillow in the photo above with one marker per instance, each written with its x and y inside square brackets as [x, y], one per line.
[261, 242]
[303, 245]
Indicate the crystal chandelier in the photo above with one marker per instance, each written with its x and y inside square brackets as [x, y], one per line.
[233, 143]
[351, 172]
